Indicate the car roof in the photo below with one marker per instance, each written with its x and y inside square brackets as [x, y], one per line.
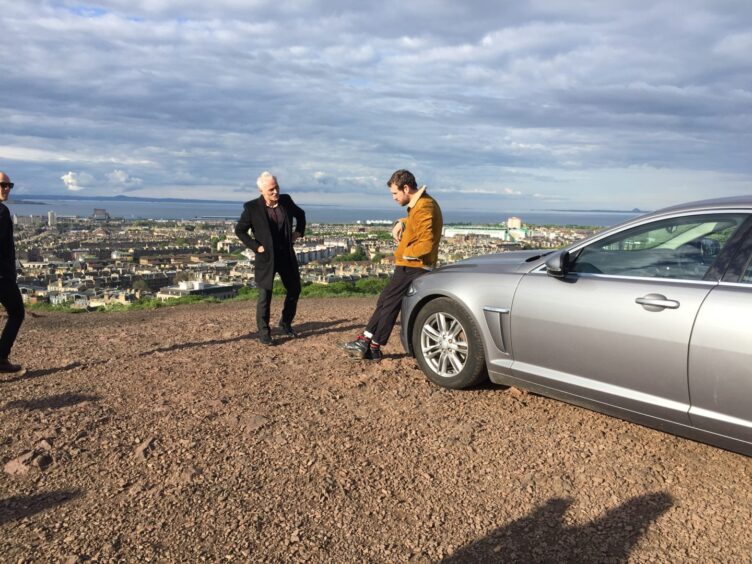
[733, 202]
[714, 203]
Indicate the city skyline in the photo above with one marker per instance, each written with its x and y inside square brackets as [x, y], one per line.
[531, 105]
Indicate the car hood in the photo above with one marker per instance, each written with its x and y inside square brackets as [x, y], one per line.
[512, 261]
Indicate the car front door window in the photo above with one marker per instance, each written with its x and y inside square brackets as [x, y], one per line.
[679, 248]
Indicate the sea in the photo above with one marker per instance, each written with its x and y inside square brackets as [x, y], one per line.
[314, 213]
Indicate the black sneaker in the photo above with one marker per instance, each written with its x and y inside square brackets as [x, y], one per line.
[286, 329]
[357, 348]
[374, 353]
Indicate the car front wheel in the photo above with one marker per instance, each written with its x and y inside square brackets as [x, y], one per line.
[448, 346]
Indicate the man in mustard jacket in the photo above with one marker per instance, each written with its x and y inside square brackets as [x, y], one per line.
[417, 237]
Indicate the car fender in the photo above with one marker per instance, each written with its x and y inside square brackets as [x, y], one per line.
[487, 299]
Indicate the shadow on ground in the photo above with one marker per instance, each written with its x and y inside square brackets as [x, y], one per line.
[304, 330]
[43, 372]
[542, 536]
[50, 402]
[20, 506]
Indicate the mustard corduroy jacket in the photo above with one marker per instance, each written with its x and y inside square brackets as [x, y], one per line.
[421, 233]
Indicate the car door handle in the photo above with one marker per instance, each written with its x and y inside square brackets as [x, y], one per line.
[656, 302]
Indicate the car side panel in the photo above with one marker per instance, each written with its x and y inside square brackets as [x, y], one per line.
[586, 336]
[720, 363]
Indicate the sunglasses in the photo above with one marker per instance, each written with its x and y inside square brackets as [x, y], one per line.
[6, 185]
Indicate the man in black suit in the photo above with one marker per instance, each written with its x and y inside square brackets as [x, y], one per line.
[269, 217]
[10, 295]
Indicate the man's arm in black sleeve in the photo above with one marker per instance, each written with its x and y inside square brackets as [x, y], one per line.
[300, 220]
[241, 230]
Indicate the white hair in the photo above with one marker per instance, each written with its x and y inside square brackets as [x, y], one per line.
[263, 177]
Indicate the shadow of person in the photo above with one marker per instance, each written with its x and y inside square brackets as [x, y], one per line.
[542, 536]
[42, 372]
[194, 344]
[311, 328]
[20, 506]
[50, 402]
[303, 330]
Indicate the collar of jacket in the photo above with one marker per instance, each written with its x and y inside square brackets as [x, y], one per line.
[262, 202]
[416, 197]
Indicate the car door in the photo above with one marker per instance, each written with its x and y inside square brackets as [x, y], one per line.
[720, 353]
[616, 329]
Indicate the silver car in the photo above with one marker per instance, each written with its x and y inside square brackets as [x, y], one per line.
[650, 321]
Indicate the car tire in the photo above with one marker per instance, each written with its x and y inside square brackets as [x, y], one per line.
[448, 345]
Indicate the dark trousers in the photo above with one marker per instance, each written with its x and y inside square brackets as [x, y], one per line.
[10, 297]
[291, 281]
[390, 302]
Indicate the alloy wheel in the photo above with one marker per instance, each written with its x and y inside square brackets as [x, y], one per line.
[444, 344]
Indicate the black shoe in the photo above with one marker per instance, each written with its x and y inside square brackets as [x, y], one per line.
[374, 353]
[357, 348]
[286, 328]
[7, 366]
[266, 339]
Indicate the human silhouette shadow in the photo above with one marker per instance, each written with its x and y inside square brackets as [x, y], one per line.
[30, 374]
[311, 328]
[542, 536]
[303, 330]
[50, 402]
[194, 344]
[20, 506]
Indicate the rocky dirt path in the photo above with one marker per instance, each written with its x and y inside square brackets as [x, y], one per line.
[174, 435]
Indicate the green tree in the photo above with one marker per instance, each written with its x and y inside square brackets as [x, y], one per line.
[358, 254]
[140, 285]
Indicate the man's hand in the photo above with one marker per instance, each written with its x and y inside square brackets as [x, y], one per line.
[260, 249]
[397, 231]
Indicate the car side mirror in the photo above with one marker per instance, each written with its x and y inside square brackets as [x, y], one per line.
[558, 265]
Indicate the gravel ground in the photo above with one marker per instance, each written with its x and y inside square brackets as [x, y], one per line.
[173, 435]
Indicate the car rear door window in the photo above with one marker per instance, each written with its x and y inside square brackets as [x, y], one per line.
[680, 248]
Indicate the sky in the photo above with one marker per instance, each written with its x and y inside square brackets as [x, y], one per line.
[518, 105]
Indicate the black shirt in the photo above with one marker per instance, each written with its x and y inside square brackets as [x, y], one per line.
[277, 216]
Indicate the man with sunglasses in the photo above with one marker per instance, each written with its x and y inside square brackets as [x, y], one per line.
[10, 295]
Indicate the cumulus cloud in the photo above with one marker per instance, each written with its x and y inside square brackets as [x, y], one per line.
[121, 179]
[75, 181]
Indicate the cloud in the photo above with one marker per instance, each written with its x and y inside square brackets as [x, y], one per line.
[75, 181]
[538, 96]
[324, 179]
[121, 179]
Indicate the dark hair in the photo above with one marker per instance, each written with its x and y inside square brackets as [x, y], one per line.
[402, 177]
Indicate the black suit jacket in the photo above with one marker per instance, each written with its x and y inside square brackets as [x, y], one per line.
[255, 219]
[7, 246]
